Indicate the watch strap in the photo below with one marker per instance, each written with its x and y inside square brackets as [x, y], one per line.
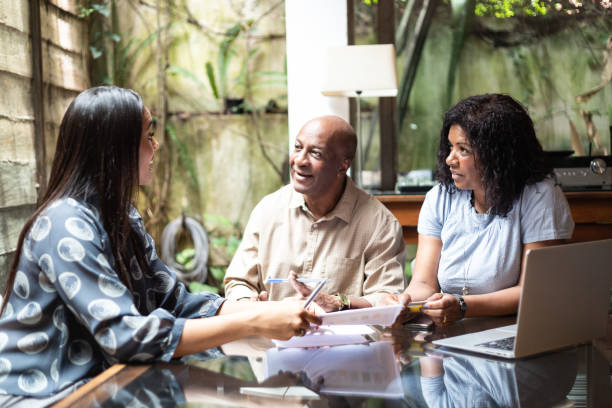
[462, 304]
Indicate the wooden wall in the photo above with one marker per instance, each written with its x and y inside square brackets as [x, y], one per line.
[34, 93]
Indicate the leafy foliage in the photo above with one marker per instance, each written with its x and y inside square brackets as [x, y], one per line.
[509, 8]
[186, 257]
[87, 8]
[197, 287]
[219, 83]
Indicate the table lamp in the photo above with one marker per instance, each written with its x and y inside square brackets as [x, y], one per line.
[360, 71]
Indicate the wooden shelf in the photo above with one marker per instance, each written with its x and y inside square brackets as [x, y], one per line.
[592, 213]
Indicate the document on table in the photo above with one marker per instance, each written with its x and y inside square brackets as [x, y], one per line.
[329, 336]
[344, 327]
[381, 315]
[294, 391]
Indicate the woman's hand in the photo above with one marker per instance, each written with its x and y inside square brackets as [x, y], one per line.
[443, 309]
[327, 302]
[405, 315]
[283, 320]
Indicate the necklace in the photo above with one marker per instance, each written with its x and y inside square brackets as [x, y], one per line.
[465, 290]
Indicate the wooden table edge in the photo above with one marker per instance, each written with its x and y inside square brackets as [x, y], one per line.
[87, 388]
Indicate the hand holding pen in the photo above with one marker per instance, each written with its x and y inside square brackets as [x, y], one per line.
[314, 293]
[327, 302]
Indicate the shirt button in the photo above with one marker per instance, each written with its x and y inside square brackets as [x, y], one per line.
[315, 226]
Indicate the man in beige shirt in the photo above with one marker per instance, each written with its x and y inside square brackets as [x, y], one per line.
[321, 225]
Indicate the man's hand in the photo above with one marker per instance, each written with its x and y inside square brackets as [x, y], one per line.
[328, 303]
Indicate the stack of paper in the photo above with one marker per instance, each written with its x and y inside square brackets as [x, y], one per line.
[329, 336]
[381, 315]
[345, 327]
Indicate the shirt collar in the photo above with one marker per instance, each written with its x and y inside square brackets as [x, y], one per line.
[343, 209]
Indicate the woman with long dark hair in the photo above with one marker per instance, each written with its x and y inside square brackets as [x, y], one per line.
[86, 288]
[496, 199]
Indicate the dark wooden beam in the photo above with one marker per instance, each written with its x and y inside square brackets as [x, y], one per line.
[350, 32]
[40, 151]
[385, 29]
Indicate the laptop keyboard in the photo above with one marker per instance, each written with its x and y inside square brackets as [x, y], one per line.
[503, 344]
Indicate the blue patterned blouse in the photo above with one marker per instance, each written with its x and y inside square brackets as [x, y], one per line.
[69, 316]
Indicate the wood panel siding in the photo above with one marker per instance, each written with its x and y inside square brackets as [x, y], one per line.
[41, 70]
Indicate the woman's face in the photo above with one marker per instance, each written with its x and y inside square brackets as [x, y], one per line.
[148, 146]
[462, 161]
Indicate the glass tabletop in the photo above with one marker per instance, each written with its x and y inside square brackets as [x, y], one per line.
[399, 368]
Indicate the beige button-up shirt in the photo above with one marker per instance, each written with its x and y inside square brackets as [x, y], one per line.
[359, 246]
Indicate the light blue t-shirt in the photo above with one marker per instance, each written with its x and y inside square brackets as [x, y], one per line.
[482, 251]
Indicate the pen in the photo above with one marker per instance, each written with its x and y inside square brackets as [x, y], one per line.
[314, 293]
[303, 280]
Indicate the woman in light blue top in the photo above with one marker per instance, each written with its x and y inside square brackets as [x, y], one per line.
[495, 200]
[86, 288]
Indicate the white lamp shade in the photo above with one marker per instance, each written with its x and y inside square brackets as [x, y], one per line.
[367, 68]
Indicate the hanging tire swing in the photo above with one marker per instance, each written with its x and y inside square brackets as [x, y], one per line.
[198, 272]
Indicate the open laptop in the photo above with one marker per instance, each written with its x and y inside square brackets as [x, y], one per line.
[564, 302]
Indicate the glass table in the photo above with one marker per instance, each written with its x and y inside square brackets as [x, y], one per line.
[397, 368]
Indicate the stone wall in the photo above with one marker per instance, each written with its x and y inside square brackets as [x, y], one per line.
[64, 60]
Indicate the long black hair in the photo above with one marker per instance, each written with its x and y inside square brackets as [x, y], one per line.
[508, 154]
[97, 156]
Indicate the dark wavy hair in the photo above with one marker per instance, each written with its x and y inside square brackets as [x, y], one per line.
[507, 152]
[97, 155]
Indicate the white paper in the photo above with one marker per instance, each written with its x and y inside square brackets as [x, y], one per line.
[328, 336]
[381, 315]
[280, 392]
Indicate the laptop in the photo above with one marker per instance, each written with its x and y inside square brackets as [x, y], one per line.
[564, 301]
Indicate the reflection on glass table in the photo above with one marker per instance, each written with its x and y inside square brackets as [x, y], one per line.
[401, 369]
[451, 379]
[354, 370]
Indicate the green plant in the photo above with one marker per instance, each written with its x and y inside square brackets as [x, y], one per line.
[186, 257]
[219, 82]
[197, 287]
[225, 88]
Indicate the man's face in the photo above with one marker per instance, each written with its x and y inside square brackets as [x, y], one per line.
[315, 164]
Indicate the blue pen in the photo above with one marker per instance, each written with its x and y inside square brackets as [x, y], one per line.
[303, 280]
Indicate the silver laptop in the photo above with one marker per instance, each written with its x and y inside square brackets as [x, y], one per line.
[564, 301]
